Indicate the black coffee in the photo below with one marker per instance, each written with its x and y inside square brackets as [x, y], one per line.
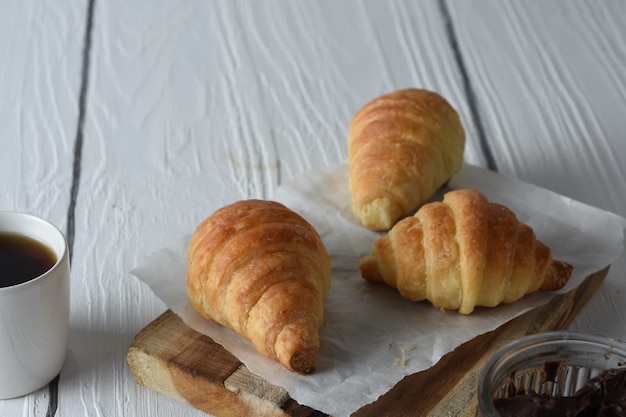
[22, 259]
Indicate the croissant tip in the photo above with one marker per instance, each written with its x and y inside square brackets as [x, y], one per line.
[303, 361]
[559, 275]
[369, 269]
[380, 214]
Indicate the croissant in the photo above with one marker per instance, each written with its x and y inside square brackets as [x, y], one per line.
[402, 147]
[462, 253]
[262, 270]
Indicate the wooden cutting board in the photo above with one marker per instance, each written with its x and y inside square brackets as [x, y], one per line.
[169, 357]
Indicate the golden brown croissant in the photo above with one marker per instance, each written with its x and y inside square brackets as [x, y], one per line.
[402, 147]
[464, 252]
[262, 270]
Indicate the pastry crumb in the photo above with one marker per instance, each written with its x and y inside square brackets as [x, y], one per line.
[402, 361]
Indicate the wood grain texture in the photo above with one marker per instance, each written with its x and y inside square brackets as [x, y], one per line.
[169, 357]
[40, 76]
[191, 368]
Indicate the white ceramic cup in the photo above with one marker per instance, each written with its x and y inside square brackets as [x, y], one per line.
[34, 315]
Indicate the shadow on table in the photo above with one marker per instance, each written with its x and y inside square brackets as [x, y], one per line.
[95, 360]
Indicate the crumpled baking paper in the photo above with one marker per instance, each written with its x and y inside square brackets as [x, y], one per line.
[371, 337]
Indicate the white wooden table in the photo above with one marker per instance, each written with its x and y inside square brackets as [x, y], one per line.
[126, 123]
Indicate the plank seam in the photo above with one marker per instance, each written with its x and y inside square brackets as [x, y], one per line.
[467, 86]
[53, 387]
[78, 141]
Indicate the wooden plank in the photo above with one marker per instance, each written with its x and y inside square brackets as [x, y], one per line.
[41, 46]
[171, 358]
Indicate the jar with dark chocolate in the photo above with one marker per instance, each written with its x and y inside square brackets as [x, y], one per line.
[554, 372]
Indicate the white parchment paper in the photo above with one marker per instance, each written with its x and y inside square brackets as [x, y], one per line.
[371, 337]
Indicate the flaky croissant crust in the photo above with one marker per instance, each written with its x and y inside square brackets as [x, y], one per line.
[462, 253]
[402, 147]
[262, 270]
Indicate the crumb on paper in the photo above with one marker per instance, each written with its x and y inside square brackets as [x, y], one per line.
[419, 317]
[401, 361]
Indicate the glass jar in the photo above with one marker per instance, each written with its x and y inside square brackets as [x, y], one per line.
[554, 363]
